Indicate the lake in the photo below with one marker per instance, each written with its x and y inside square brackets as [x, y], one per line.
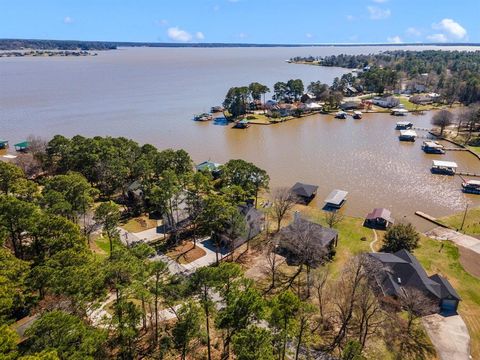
[151, 94]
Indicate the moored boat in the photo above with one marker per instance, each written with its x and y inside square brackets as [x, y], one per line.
[471, 186]
[433, 147]
[357, 115]
[407, 135]
[403, 125]
[242, 124]
[203, 117]
[341, 115]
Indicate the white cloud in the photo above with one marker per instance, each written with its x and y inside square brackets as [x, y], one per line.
[377, 13]
[67, 20]
[350, 17]
[437, 38]
[411, 31]
[216, 8]
[451, 29]
[242, 35]
[309, 35]
[177, 34]
[199, 35]
[395, 39]
[162, 22]
[380, 1]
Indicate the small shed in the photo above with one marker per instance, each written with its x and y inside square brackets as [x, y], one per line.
[304, 192]
[22, 146]
[379, 218]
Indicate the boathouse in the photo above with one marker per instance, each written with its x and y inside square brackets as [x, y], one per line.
[336, 199]
[433, 147]
[404, 125]
[304, 192]
[22, 146]
[379, 218]
[444, 167]
[407, 135]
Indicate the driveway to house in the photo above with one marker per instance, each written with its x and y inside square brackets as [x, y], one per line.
[460, 239]
[449, 335]
[209, 258]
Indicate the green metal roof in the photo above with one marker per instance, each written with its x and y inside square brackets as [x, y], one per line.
[22, 144]
[3, 141]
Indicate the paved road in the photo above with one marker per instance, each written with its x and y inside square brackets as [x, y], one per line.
[449, 335]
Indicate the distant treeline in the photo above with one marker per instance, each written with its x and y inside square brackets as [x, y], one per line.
[19, 44]
[454, 74]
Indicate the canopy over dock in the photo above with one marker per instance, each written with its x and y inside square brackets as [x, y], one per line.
[336, 198]
[304, 192]
[444, 167]
[22, 146]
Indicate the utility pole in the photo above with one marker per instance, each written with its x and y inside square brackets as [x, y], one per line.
[464, 216]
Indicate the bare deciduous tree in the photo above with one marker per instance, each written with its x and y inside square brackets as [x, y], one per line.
[442, 119]
[273, 263]
[282, 201]
[333, 218]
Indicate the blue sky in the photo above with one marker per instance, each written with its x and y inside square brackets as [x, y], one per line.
[243, 21]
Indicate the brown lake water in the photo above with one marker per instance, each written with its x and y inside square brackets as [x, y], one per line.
[151, 94]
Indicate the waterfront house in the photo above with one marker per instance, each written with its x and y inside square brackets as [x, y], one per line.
[379, 218]
[307, 98]
[407, 135]
[400, 271]
[350, 91]
[211, 167]
[350, 105]
[336, 199]
[386, 101]
[304, 192]
[433, 147]
[444, 167]
[254, 225]
[291, 242]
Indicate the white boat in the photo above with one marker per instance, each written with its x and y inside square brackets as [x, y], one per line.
[471, 187]
[357, 115]
[404, 125]
[341, 115]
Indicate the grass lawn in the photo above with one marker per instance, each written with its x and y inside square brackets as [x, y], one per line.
[185, 253]
[139, 224]
[472, 221]
[475, 149]
[413, 107]
[468, 287]
[100, 246]
[259, 119]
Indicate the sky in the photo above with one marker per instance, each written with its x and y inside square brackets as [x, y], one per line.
[243, 21]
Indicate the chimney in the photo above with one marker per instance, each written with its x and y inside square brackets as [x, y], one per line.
[296, 216]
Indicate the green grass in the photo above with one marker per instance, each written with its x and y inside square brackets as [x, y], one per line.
[472, 221]
[104, 245]
[413, 107]
[475, 149]
[447, 264]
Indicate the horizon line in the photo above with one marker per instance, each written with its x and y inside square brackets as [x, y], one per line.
[231, 44]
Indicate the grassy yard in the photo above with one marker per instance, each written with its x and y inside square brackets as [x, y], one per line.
[447, 264]
[472, 221]
[413, 107]
[100, 246]
[139, 224]
[475, 149]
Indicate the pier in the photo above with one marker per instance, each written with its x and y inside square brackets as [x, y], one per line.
[466, 173]
[430, 218]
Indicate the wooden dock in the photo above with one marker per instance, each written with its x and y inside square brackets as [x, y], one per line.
[455, 149]
[466, 173]
[430, 218]
[421, 129]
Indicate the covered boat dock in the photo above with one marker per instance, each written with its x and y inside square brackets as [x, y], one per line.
[22, 146]
[3, 144]
[433, 147]
[407, 135]
[444, 167]
[336, 199]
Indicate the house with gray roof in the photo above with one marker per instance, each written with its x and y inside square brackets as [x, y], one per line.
[402, 270]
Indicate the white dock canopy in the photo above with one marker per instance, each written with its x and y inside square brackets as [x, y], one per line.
[433, 144]
[444, 164]
[336, 197]
[404, 123]
[408, 133]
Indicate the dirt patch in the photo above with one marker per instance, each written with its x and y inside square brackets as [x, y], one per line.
[470, 260]
[139, 224]
[186, 253]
